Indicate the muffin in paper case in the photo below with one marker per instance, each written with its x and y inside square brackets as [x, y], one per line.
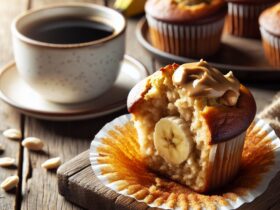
[116, 161]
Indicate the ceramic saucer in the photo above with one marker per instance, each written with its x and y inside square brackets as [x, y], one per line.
[15, 92]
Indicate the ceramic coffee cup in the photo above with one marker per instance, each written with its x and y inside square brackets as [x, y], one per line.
[69, 73]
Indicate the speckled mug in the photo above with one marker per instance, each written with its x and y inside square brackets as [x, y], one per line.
[70, 73]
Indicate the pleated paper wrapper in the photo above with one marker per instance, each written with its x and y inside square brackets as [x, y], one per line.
[192, 40]
[243, 18]
[116, 161]
[271, 46]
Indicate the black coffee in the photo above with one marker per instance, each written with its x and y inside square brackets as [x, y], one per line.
[70, 30]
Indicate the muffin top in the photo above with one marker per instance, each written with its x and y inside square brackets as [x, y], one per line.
[182, 10]
[230, 107]
[270, 20]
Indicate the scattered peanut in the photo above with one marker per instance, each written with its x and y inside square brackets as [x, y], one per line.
[33, 143]
[7, 161]
[52, 163]
[12, 133]
[10, 183]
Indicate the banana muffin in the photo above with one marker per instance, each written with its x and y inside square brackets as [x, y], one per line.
[191, 122]
[190, 28]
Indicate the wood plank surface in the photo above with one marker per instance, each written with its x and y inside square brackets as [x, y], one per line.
[78, 184]
[63, 139]
[9, 118]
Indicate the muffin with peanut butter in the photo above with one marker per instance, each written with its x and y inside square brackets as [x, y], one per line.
[191, 122]
[190, 28]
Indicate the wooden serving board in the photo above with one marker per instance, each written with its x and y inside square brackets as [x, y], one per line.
[78, 184]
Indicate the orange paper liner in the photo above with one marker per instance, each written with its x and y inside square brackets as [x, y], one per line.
[117, 162]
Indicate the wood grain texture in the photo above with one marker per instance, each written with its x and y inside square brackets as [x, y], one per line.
[9, 117]
[39, 188]
[79, 184]
[63, 139]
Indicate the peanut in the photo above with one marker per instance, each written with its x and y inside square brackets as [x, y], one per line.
[7, 161]
[12, 133]
[33, 143]
[52, 163]
[10, 183]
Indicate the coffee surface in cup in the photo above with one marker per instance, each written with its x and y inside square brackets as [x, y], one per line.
[67, 30]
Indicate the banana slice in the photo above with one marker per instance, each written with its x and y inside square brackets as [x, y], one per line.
[173, 140]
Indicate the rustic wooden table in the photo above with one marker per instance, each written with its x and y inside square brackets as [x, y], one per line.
[37, 188]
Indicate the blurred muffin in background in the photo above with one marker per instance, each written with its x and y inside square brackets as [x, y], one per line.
[190, 28]
[243, 16]
[270, 31]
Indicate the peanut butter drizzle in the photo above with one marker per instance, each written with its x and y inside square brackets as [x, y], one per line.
[121, 154]
[201, 80]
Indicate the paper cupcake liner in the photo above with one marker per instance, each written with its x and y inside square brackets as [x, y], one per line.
[116, 161]
[242, 19]
[271, 46]
[198, 40]
[225, 161]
